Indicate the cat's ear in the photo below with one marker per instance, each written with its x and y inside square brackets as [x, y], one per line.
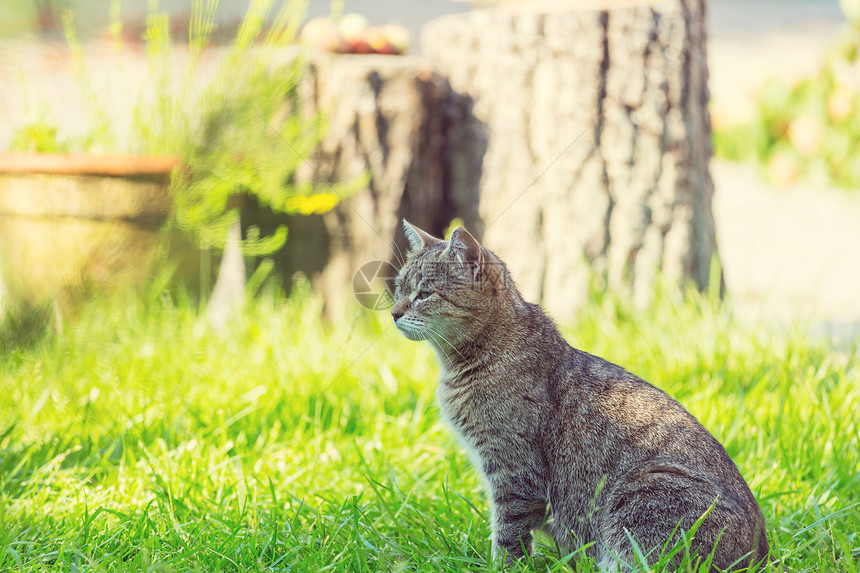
[466, 249]
[417, 238]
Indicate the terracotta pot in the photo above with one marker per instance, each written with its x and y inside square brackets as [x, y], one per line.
[75, 225]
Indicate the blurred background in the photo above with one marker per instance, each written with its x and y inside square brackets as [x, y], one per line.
[782, 76]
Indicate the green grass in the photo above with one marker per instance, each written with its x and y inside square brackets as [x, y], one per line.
[139, 440]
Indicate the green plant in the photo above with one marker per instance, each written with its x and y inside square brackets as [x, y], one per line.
[251, 141]
[236, 130]
[807, 129]
[244, 136]
[38, 136]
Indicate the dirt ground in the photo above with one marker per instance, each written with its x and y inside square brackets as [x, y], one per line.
[788, 253]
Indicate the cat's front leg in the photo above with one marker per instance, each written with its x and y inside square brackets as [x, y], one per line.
[514, 516]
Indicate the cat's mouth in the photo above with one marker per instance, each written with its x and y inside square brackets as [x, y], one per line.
[409, 331]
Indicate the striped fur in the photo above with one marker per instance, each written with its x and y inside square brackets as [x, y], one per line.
[565, 441]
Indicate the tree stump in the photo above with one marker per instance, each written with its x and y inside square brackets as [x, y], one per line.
[598, 140]
[387, 120]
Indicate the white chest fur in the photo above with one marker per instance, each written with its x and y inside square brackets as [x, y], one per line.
[458, 411]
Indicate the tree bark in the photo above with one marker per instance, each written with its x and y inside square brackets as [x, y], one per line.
[387, 119]
[598, 141]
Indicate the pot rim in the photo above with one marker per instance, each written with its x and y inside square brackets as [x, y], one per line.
[115, 164]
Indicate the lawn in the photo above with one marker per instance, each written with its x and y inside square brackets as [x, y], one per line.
[138, 439]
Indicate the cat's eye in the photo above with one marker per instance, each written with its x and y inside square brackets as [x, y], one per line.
[422, 294]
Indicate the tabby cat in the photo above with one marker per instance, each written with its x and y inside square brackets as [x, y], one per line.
[565, 441]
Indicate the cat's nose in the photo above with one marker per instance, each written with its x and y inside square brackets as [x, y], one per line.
[396, 313]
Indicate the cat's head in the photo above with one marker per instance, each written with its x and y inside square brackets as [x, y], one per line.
[448, 290]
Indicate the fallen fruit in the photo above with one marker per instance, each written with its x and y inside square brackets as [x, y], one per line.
[398, 37]
[782, 169]
[352, 26]
[840, 104]
[375, 38]
[322, 34]
[805, 135]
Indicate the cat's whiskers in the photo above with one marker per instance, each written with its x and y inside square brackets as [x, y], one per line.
[401, 258]
[439, 334]
[425, 337]
[446, 360]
